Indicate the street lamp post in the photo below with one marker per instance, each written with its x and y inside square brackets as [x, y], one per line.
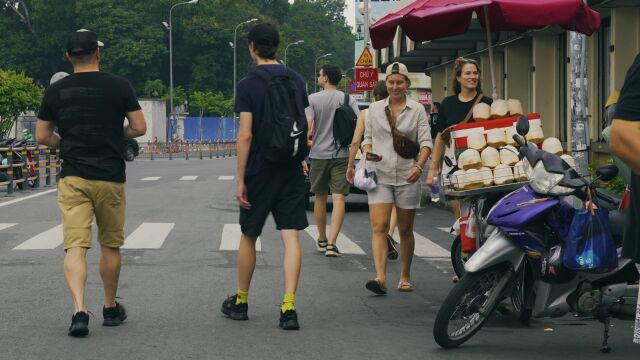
[171, 109]
[315, 69]
[287, 48]
[235, 46]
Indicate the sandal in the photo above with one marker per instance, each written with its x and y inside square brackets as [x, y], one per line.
[376, 286]
[405, 286]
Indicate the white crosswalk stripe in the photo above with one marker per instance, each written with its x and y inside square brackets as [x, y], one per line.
[226, 177]
[426, 248]
[445, 229]
[344, 244]
[151, 178]
[47, 240]
[6, 225]
[231, 238]
[148, 236]
[188, 178]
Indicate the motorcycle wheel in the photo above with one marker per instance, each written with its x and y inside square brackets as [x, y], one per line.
[465, 309]
[518, 297]
[456, 258]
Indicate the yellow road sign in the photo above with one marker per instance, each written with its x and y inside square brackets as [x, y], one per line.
[365, 59]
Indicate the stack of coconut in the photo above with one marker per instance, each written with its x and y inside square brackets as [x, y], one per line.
[493, 160]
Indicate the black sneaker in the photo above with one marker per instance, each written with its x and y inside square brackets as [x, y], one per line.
[79, 324]
[392, 253]
[332, 251]
[114, 316]
[235, 312]
[322, 245]
[289, 320]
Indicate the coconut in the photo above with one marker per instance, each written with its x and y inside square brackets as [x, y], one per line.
[458, 180]
[476, 141]
[515, 107]
[496, 137]
[473, 179]
[569, 160]
[499, 109]
[481, 112]
[470, 159]
[508, 155]
[490, 157]
[487, 176]
[502, 174]
[552, 145]
[535, 134]
[518, 172]
[509, 136]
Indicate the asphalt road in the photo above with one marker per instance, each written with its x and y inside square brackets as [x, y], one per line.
[180, 265]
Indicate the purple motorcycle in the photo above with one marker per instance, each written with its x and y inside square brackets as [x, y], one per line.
[522, 255]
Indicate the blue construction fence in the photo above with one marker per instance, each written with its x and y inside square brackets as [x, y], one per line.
[210, 128]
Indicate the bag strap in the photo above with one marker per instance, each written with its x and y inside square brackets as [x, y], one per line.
[346, 99]
[263, 74]
[390, 119]
[466, 118]
[590, 204]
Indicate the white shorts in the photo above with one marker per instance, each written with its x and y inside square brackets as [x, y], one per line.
[402, 196]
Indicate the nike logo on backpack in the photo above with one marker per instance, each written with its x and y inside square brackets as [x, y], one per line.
[295, 132]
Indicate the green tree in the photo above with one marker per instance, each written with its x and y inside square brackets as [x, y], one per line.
[18, 94]
[154, 89]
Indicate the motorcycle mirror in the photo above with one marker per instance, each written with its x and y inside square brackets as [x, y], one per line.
[607, 172]
[448, 161]
[522, 125]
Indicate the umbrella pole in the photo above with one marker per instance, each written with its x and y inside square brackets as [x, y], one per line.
[487, 25]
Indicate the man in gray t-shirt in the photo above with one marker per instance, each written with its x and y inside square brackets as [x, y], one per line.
[328, 162]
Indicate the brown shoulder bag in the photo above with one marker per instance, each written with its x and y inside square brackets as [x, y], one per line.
[446, 134]
[403, 146]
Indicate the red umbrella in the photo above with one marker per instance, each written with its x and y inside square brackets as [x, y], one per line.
[426, 20]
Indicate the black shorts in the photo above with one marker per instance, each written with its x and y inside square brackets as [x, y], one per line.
[279, 191]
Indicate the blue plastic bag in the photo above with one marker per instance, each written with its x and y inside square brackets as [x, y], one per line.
[590, 245]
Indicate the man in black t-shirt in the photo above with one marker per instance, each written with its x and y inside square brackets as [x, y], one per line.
[263, 187]
[88, 108]
[625, 143]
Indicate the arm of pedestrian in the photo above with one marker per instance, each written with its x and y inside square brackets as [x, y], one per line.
[357, 139]
[137, 125]
[310, 122]
[45, 133]
[245, 136]
[436, 159]
[625, 143]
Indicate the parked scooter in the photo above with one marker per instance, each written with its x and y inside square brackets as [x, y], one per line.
[26, 164]
[525, 247]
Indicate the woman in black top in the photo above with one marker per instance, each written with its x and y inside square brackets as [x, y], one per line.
[467, 86]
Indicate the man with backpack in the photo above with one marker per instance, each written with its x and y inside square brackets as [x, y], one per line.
[271, 148]
[332, 115]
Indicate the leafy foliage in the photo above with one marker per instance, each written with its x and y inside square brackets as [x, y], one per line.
[18, 94]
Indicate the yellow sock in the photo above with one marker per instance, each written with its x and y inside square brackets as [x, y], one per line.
[243, 297]
[288, 303]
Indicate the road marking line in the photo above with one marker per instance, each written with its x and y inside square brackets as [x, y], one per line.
[47, 240]
[188, 178]
[426, 248]
[445, 229]
[226, 177]
[148, 236]
[151, 178]
[6, 225]
[231, 238]
[27, 197]
[345, 245]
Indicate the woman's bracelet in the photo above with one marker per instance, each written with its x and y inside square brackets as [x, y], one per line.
[419, 168]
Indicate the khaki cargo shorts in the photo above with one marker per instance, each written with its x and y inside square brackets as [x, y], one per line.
[329, 174]
[80, 199]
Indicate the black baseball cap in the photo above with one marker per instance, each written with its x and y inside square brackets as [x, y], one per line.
[82, 41]
[264, 34]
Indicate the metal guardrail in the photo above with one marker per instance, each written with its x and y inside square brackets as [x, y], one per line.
[188, 150]
[28, 174]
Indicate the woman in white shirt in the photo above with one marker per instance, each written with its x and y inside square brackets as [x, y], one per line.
[397, 175]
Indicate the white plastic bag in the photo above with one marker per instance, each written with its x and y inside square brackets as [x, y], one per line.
[365, 177]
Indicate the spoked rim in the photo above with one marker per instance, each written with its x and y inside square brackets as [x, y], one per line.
[472, 308]
[517, 295]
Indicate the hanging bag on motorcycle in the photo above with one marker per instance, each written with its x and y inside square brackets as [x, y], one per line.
[590, 245]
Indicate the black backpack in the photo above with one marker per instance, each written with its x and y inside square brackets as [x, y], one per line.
[344, 125]
[281, 136]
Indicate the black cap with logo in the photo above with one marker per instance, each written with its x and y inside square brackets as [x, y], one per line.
[82, 42]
